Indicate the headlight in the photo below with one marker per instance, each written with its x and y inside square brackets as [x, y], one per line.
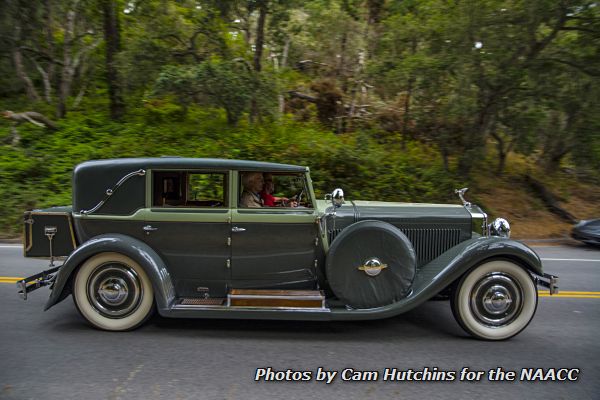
[500, 227]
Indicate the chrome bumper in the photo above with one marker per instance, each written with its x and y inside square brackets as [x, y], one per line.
[36, 281]
[548, 281]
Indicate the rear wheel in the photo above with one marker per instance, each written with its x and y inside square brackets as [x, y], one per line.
[113, 292]
[495, 300]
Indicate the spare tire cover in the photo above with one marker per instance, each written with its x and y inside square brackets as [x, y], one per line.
[352, 256]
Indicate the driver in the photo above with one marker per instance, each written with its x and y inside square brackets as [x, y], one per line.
[267, 193]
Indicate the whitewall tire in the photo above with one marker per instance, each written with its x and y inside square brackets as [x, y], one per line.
[113, 292]
[495, 300]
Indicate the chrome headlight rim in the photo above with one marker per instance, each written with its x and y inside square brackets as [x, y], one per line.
[500, 227]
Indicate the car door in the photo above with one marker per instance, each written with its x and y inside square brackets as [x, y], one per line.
[273, 247]
[190, 230]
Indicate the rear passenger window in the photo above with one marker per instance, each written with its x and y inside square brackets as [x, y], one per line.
[189, 189]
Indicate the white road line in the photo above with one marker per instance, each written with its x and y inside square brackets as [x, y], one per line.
[570, 259]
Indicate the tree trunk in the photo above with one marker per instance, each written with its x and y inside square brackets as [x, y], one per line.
[475, 136]
[258, 51]
[409, 90]
[48, 75]
[66, 76]
[550, 200]
[284, 58]
[260, 35]
[32, 94]
[112, 37]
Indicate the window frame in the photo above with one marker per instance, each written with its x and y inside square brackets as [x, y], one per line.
[227, 189]
[307, 189]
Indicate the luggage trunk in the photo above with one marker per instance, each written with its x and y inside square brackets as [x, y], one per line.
[48, 233]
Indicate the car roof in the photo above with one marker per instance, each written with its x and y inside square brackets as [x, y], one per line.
[191, 163]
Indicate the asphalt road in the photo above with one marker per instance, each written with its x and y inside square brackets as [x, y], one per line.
[56, 355]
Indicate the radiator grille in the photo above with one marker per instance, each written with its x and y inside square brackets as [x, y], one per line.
[429, 243]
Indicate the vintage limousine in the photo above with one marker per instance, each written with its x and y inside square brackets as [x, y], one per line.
[178, 236]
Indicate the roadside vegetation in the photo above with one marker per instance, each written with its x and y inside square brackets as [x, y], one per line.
[401, 101]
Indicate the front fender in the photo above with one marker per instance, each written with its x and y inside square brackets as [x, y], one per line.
[138, 251]
[435, 276]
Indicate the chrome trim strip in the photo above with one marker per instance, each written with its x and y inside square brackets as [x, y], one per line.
[249, 308]
[110, 192]
[256, 297]
[479, 214]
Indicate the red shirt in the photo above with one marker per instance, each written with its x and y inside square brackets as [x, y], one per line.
[268, 199]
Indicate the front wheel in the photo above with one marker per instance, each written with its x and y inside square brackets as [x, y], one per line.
[495, 300]
[113, 292]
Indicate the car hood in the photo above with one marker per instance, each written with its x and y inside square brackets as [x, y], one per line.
[397, 211]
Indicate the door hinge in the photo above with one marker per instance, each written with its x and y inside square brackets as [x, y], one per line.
[228, 263]
[229, 241]
[317, 241]
[316, 262]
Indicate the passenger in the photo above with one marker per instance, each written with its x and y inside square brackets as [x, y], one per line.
[253, 183]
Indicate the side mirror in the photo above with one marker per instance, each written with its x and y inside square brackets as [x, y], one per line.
[337, 198]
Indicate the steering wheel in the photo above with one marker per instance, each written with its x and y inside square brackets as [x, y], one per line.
[298, 197]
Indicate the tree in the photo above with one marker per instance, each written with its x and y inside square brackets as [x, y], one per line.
[112, 38]
[226, 84]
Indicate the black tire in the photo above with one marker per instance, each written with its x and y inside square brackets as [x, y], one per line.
[113, 292]
[371, 264]
[495, 300]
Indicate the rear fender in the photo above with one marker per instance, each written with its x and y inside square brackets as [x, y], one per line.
[138, 251]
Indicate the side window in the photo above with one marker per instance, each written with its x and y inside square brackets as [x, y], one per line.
[206, 190]
[273, 189]
[189, 189]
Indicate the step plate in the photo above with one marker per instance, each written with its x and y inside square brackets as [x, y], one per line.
[290, 299]
[202, 302]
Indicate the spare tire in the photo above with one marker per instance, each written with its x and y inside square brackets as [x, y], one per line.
[371, 264]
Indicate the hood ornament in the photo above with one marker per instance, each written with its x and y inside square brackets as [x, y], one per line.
[461, 194]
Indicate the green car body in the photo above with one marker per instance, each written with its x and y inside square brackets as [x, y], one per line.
[195, 255]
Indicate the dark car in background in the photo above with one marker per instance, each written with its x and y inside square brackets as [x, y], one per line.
[173, 235]
[587, 231]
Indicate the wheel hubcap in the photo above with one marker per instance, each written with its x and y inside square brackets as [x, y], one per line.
[496, 299]
[114, 290]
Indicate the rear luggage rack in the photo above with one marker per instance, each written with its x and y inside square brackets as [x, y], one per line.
[36, 281]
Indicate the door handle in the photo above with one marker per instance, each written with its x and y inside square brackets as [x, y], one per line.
[149, 228]
[238, 229]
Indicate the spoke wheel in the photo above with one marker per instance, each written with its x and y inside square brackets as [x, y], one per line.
[495, 300]
[113, 292]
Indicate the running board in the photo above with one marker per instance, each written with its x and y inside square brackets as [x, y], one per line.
[312, 299]
[259, 300]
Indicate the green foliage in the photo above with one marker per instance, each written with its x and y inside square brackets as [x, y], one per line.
[37, 173]
[227, 84]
